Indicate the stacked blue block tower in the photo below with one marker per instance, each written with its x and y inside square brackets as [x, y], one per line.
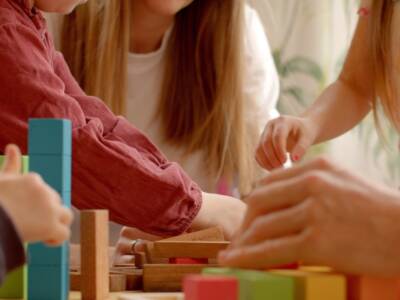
[50, 156]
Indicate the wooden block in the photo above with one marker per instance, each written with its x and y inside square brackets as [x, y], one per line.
[75, 281]
[50, 136]
[316, 285]
[369, 288]
[94, 254]
[15, 284]
[201, 287]
[166, 277]
[117, 282]
[255, 285]
[183, 249]
[48, 283]
[188, 261]
[134, 277]
[50, 156]
[210, 234]
[153, 296]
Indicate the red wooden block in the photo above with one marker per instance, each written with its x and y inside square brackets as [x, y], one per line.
[188, 261]
[204, 287]
[369, 288]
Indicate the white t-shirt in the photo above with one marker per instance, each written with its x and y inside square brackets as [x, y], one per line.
[261, 88]
[144, 84]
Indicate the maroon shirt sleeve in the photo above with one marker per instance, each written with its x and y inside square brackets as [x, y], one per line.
[12, 254]
[115, 166]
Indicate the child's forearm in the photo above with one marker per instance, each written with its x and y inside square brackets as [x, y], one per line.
[337, 110]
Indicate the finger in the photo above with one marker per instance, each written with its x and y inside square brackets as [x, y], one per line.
[300, 147]
[66, 216]
[319, 164]
[276, 196]
[262, 159]
[124, 259]
[279, 142]
[12, 163]
[267, 254]
[61, 234]
[275, 225]
[269, 152]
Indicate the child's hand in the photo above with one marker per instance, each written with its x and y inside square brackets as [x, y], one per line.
[282, 135]
[219, 210]
[34, 207]
[131, 241]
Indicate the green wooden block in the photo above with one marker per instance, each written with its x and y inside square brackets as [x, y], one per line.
[25, 163]
[255, 285]
[15, 284]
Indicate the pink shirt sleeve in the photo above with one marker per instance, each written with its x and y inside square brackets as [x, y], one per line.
[115, 166]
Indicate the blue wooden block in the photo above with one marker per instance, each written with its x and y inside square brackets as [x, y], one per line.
[48, 283]
[55, 170]
[42, 255]
[50, 136]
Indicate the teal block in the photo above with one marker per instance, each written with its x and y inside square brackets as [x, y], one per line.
[48, 283]
[15, 284]
[50, 136]
[54, 169]
[66, 198]
[255, 285]
[42, 255]
[25, 163]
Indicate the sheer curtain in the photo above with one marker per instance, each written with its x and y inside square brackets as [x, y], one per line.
[310, 39]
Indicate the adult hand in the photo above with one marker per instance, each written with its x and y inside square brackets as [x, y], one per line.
[320, 214]
[34, 207]
[282, 135]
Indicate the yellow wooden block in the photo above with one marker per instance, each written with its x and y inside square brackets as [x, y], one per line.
[317, 269]
[316, 286]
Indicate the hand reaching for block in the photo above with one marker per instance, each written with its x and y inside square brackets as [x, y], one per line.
[32, 205]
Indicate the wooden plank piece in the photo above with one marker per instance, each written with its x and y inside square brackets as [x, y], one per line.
[183, 249]
[94, 255]
[210, 234]
[166, 277]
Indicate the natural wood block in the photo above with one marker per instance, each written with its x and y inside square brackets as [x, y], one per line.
[94, 255]
[210, 234]
[369, 288]
[75, 281]
[166, 277]
[134, 277]
[183, 249]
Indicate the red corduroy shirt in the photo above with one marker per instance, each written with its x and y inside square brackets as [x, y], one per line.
[115, 166]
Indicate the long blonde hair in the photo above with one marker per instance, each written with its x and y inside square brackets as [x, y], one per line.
[384, 61]
[202, 103]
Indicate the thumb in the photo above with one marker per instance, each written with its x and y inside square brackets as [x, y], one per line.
[12, 163]
[300, 148]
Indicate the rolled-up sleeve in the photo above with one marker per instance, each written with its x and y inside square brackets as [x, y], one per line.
[12, 253]
[115, 166]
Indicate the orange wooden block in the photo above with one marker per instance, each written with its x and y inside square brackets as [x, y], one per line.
[94, 255]
[369, 288]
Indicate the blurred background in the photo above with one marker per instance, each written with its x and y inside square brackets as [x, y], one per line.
[310, 39]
